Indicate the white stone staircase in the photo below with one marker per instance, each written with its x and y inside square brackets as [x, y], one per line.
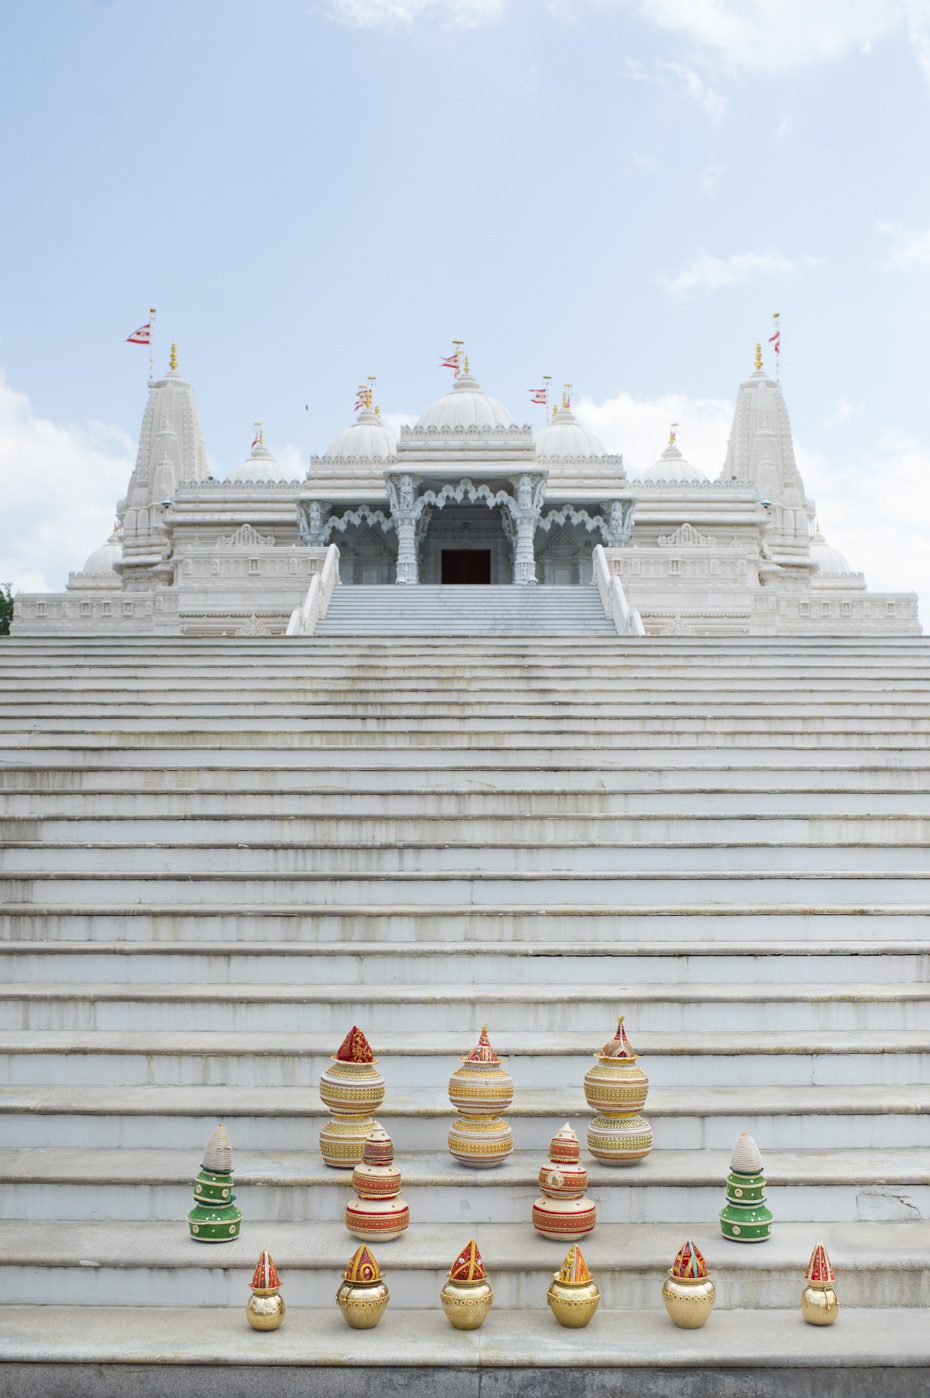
[217, 856]
[465, 610]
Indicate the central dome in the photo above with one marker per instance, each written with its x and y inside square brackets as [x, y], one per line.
[366, 438]
[466, 407]
[672, 466]
[260, 469]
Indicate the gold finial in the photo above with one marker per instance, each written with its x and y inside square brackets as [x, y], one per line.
[467, 365]
[567, 397]
[173, 362]
[758, 356]
[673, 434]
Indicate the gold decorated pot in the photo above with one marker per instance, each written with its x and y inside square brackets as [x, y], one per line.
[363, 1303]
[466, 1303]
[265, 1310]
[342, 1140]
[480, 1141]
[819, 1304]
[689, 1300]
[573, 1303]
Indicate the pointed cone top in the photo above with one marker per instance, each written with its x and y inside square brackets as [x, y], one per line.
[746, 1158]
[218, 1155]
[378, 1148]
[355, 1048]
[482, 1052]
[265, 1277]
[574, 1268]
[362, 1267]
[820, 1268]
[468, 1266]
[619, 1046]
[689, 1262]
[565, 1145]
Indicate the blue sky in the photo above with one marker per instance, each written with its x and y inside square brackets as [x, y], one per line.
[616, 192]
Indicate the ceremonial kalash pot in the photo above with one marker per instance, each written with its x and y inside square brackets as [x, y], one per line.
[688, 1291]
[377, 1214]
[363, 1294]
[265, 1309]
[573, 1294]
[563, 1213]
[480, 1090]
[467, 1295]
[352, 1088]
[819, 1302]
[215, 1217]
[616, 1088]
[745, 1218]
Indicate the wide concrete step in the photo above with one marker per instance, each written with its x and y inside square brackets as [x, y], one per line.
[469, 829]
[136, 1263]
[824, 1186]
[481, 889]
[543, 1008]
[792, 1114]
[493, 853]
[417, 1072]
[438, 963]
[558, 924]
[71, 1351]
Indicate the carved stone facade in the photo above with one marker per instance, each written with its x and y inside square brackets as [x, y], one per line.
[466, 492]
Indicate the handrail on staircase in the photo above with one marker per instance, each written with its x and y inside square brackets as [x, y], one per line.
[319, 595]
[626, 619]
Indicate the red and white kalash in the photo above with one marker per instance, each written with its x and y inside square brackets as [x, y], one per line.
[352, 1088]
[378, 1214]
[480, 1090]
[564, 1214]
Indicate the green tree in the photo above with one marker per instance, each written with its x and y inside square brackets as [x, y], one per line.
[6, 608]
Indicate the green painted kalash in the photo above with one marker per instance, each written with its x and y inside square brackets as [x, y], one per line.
[745, 1218]
[214, 1217]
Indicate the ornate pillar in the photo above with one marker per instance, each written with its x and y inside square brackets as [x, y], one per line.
[525, 510]
[403, 500]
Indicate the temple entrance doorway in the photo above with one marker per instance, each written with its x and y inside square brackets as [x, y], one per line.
[466, 566]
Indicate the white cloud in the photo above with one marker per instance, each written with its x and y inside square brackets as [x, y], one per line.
[709, 272]
[683, 78]
[59, 484]
[876, 512]
[774, 35]
[365, 14]
[638, 428]
[910, 247]
[711, 176]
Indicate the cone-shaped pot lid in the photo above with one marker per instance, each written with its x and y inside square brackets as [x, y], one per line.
[355, 1048]
[574, 1268]
[619, 1046]
[217, 1157]
[265, 1277]
[362, 1267]
[482, 1052]
[689, 1261]
[468, 1266]
[820, 1268]
[746, 1159]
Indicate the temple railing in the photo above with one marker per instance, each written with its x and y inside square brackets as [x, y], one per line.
[625, 618]
[319, 595]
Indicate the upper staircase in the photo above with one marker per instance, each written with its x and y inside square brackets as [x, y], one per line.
[219, 855]
[464, 610]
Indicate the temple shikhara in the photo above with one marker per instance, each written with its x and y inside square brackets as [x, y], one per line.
[466, 496]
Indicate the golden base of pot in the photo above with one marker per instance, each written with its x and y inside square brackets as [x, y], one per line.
[689, 1300]
[819, 1305]
[265, 1310]
[573, 1303]
[363, 1303]
[466, 1303]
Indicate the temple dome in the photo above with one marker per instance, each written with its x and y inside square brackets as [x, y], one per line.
[367, 437]
[565, 437]
[828, 559]
[465, 406]
[672, 466]
[102, 559]
[260, 467]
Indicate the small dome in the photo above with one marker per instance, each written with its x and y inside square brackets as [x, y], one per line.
[565, 437]
[101, 561]
[672, 466]
[828, 560]
[260, 467]
[367, 437]
[465, 406]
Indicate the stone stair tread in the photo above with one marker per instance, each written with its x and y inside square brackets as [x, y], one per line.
[511, 1043]
[33, 1165]
[327, 1246]
[208, 1336]
[742, 947]
[434, 911]
[691, 992]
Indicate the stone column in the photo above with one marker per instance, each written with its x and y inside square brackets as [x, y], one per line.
[528, 497]
[402, 497]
